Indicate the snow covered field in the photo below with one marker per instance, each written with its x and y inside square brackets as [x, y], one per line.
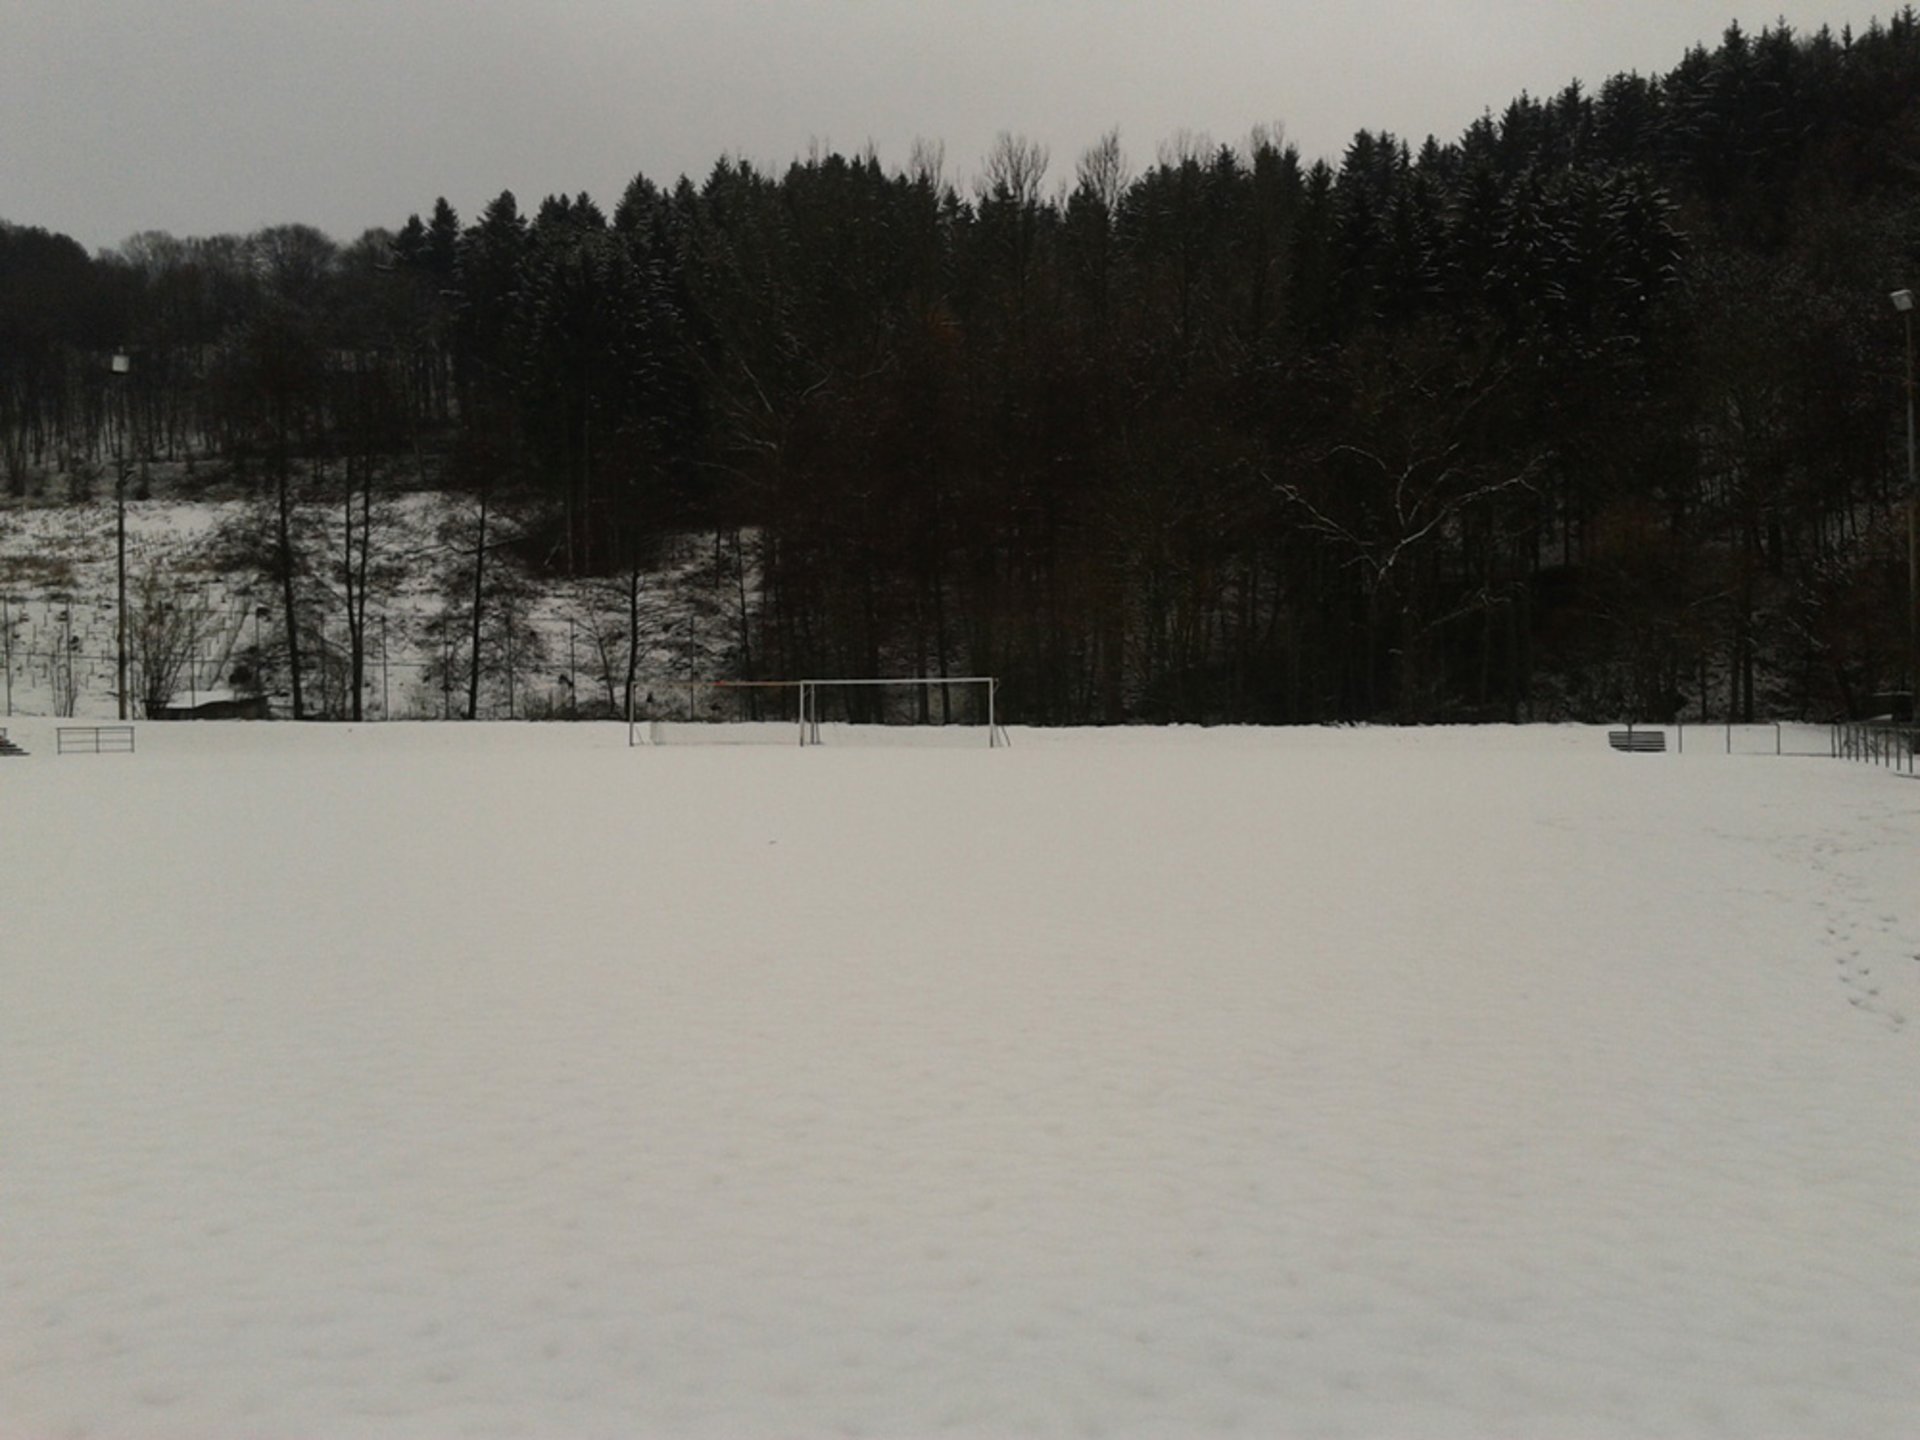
[436, 1081]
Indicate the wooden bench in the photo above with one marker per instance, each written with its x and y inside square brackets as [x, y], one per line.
[1639, 742]
[93, 740]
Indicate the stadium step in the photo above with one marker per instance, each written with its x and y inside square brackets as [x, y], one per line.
[7, 747]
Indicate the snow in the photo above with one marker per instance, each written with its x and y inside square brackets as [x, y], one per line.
[57, 593]
[424, 1081]
[59, 616]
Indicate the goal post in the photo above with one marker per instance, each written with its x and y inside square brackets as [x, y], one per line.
[953, 710]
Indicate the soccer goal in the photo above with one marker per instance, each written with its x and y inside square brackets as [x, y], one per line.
[957, 710]
[914, 710]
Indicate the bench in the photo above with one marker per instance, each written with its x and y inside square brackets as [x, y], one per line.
[93, 740]
[1639, 742]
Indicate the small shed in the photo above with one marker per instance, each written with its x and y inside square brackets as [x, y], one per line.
[214, 705]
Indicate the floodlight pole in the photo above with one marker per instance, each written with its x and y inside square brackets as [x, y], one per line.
[1903, 302]
[1913, 545]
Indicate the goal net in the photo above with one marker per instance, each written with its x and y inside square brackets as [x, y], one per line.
[956, 711]
[718, 712]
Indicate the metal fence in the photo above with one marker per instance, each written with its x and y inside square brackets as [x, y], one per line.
[1891, 744]
[1733, 737]
[94, 740]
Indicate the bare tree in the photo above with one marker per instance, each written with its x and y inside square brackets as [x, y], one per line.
[1102, 172]
[164, 639]
[1015, 168]
[484, 628]
[1388, 508]
[927, 163]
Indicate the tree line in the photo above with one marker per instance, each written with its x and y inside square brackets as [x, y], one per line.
[1592, 411]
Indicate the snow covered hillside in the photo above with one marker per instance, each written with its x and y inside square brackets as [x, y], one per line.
[429, 1081]
[203, 609]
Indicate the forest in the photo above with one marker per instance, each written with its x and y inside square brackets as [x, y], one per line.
[1597, 411]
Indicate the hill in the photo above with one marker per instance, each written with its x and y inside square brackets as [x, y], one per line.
[207, 614]
[1592, 410]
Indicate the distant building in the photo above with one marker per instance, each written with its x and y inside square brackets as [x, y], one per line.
[214, 705]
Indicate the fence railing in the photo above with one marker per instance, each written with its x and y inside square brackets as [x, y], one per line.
[1735, 737]
[1878, 742]
[93, 740]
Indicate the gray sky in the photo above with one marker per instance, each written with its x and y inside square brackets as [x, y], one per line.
[202, 116]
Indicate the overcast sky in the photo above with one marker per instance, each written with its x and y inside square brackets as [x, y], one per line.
[203, 116]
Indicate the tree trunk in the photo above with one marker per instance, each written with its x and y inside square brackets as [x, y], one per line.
[633, 630]
[284, 562]
[479, 592]
[357, 615]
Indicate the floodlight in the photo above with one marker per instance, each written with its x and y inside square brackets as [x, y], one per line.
[1902, 299]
